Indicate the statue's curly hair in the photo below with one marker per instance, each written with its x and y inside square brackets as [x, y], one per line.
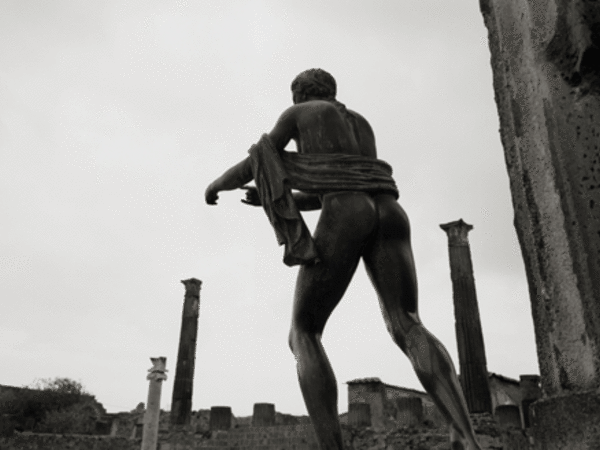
[315, 82]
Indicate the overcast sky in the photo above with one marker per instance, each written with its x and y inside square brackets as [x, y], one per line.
[116, 115]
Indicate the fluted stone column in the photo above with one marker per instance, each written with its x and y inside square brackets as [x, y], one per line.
[152, 415]
[545, 60]
[181, 407]
[469, 337]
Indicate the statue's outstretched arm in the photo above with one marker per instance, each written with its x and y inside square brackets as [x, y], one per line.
[234, 178]
[304, 201]
[241, 173]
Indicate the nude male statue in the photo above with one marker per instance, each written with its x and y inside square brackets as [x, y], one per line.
[357, 221]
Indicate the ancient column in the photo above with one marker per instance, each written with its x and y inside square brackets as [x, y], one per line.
[152, 415]
[181, 407]
[471, 351]
[545, 57]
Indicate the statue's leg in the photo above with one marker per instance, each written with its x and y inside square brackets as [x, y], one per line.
[346, 221]
[389, 262]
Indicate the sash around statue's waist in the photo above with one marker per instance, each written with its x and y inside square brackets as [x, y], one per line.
[277, 173]
[321, 173]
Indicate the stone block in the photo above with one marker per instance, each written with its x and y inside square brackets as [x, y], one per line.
[220, 418]
[567, 422]
[530, 392]
[515, 439]
[263, 415]
[526, 408]
[508, 415]
[530, 387]
[359, 415]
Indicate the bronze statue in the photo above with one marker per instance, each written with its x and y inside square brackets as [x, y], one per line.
[336, 169]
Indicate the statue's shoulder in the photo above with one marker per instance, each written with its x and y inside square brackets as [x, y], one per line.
[303, 110]
[362, 122]
[358, 116]
[289, 116]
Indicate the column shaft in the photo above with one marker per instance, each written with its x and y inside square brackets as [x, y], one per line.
[544, 56]
[181, 407]
[152, 414]
[471, 349]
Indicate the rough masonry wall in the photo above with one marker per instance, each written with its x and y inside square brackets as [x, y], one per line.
[431, 412]
[61, 442]
[546, 64]
[294, 437]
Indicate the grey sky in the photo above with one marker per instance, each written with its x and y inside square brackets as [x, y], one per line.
[114, 116]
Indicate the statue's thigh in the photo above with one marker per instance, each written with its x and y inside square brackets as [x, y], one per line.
[390, 265]
[321, 286]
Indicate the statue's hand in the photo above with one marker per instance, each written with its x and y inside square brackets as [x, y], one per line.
[252, 197]
[211, 195]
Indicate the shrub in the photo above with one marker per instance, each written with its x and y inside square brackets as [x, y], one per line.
[79, 418]
[58, 405]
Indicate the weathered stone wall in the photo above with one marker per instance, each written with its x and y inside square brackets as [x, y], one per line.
[431, 412]
[129, 425]
[373, 393]
[30, 441]
[291, 437]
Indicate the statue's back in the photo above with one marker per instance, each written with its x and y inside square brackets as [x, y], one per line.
[328, 127]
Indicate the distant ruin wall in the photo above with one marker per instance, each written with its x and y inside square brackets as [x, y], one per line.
[382, 399]
[72, 442]
[431, 412]
[297, 437]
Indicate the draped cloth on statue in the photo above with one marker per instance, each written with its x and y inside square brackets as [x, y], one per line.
[277, 173]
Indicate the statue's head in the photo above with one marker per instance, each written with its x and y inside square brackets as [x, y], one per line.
[314, 83]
